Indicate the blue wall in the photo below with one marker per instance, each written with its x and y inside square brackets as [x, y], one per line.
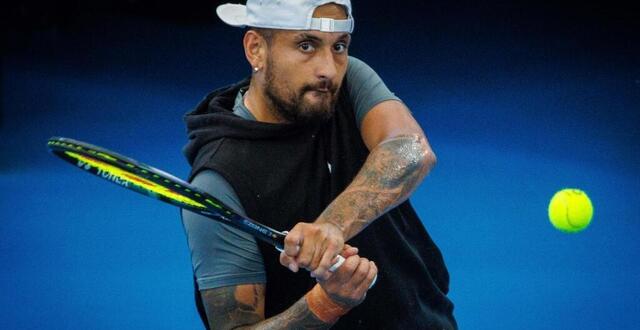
[518, 101]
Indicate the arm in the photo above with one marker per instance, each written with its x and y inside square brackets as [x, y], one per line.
[400, 157]
[399, 160]
[242, 306]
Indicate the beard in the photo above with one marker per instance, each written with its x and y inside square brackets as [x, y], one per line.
[292, 106]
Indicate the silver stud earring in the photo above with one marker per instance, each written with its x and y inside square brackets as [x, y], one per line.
[256, 69]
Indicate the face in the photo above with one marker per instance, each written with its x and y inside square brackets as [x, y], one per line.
[304, 72]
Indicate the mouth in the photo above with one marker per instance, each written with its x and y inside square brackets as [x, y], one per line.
[320, 94]
[326, 87]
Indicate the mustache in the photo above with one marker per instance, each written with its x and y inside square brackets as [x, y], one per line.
[324, 84]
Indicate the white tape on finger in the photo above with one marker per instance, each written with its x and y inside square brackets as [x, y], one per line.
[337, 265]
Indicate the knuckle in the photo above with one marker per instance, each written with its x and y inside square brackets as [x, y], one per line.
[291, 239]
[335, 245]
[363, 270]
[313, 229]
[331, 245]
[321, 275]
[350, 264]
[303, 261]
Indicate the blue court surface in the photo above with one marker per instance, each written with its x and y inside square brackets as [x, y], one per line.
[517, 102]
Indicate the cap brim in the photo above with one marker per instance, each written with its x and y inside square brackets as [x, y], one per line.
[233, 14]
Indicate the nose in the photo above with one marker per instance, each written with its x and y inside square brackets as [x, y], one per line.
[326, 65]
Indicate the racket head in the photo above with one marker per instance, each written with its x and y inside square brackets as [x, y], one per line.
[130, 174]
[147, 180]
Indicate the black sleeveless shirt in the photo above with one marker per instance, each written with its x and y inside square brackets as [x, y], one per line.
[287, 173]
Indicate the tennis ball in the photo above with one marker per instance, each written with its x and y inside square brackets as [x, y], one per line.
[570, 210]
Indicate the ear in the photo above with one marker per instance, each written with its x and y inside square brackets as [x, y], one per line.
[255, 49]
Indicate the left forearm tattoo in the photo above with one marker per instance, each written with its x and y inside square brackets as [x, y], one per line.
[390, 174]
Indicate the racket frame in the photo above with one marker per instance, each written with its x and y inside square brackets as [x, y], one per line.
[158, 184]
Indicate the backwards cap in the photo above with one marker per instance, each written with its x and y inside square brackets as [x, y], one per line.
[285, 15]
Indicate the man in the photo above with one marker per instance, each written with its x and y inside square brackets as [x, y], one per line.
[315, 143]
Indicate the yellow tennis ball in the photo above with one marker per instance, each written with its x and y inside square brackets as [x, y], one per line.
[570, 210]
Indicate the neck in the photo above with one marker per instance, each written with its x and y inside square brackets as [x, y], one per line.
[256, 101]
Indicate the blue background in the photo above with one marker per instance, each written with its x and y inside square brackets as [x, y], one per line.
[518, 101]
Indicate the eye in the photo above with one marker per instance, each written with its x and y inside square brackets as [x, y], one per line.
[306, 47]
[340, 47]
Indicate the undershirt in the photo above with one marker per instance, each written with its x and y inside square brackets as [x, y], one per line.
[222, 255]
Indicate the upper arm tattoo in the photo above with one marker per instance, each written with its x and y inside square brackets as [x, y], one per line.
[234, 306]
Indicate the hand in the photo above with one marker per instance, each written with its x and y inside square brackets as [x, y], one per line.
[349, 284]
[313, 246]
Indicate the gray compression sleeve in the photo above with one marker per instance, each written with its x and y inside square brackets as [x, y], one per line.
[221, 255]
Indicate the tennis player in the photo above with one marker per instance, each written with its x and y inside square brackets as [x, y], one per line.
[313, 142]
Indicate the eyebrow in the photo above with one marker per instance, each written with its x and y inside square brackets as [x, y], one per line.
[308, 36]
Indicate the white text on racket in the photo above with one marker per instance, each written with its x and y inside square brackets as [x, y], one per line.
[106, 175]
[113, 178]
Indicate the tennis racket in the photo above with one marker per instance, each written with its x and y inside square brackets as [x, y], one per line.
[152, 182]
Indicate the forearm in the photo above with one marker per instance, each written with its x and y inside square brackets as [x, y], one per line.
[242, 307]
[392, 171]
[298, 316]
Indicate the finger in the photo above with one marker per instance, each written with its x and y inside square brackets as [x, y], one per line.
[343, 274]
[288, 262]
[375, 276]
[371, 277]
[318, 254]
[325, 277]
[360, 274]
[346, 271]
[337, 262]
[327, 261]
[305, 255]
[293, 241]
[347, 251]
[360, 287]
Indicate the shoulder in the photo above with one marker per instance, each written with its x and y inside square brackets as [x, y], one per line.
[365, 88]
[362, 78]
[357, 68]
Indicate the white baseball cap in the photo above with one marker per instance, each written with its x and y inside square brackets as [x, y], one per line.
[285, 15]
